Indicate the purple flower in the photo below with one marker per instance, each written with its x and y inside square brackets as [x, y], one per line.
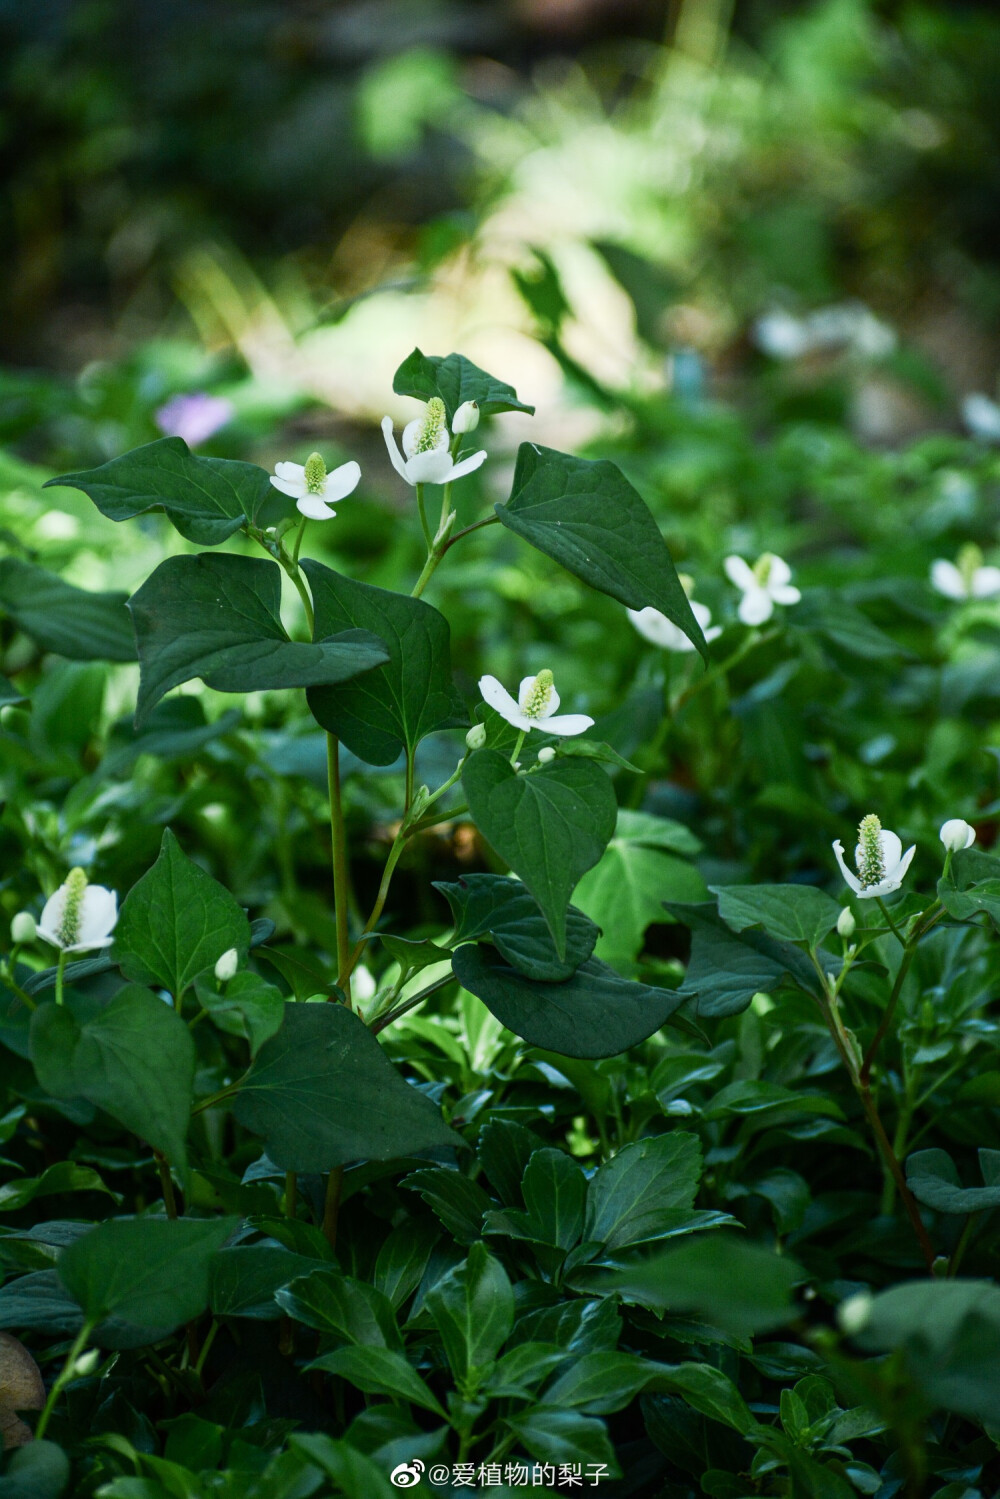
[194, 417]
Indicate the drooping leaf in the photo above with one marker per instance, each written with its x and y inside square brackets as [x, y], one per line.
[379, 1371]
[596, 1013]
[792, 913]
[456, 380]
[132, 1057]
[455, 1199]
[502, 909]
[550, 827]
[727, 969]
[207, 499]
[59, 617]
[176, 922]
[322, 1093]
[150, 1272]
[473, 1310]
[408, 697]
[218, 618]
[933, 1178]
[587, 516]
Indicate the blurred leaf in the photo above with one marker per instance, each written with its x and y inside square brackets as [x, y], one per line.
[933, 1178]
[58, 617]
[738, 1286]
[64, 1176]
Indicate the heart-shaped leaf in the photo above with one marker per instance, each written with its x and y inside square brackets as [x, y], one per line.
[502, 909]
[596, 1013]
[456, 380]
[218, 618]
[586, 515]
[207, 499]
[409, 696]
[70, 621]
[550, 826]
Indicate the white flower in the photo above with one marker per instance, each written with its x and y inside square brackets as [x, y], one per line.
[466, 418]
[23, 929]
[956, 834]
[426, 456]
[967, 578]
[765, 584]
[659, 630]
[312, 488]
[981, 416]
[854, 1314]
[537, 701]
[79, 917]
[880, 860]
[781, 335]
[225, 968]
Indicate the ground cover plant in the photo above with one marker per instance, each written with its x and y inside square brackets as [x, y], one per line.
[412, 1079]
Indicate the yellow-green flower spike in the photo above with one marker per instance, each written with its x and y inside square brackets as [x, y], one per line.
[315, 473]
[540, 695]
[69, 927]
[871, 863]
[434, 426]
[970, 560]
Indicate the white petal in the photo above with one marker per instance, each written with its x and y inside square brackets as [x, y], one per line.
[501, 701]
[315, 508]
[552, 706]
[710, 635]
[702, 614]
[468, 465]
[570, 723]
[342, 482]
[985, 582]
[900, 871]
[658, 629]
[947, 579]
[524, 691]
[290, 471]
[91, 944]
[52, 915]
[851, 879]
[756, 606]
[778, 575]
[98, 913]
[786, 594]
[740, 573]
[411, 436]
[892, 850]
[292, 487]
[429, 468]
[395, 455]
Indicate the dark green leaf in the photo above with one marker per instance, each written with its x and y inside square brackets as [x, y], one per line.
[207, 499]
[586, 515]
[39, 1303]
[504, 1150]
[473, 1310]
[596, 1013]
[243, 1280]
[549, 827]
[740, 1287]
[379, 1371]
[792, 913]
[972, 885]
[322, 1093]
[933, 1178]
[403, 1259]
[412, 695]
[354, 1474]
[601, 1383]
[134, 1058]
[249, 1007]
[335, 1303]
[218, 618]
[727, 969]
[825, 613]
[176, 922]
[497, 907]
[64, 1176]
[58, 617]
[630, 1194]
[151, 1272]
[39, 1470]
[9, 695]
[555, 1193]
[456, 380]
[709, 1391]
[565, 1437]
[458, 1201]
[413, 955]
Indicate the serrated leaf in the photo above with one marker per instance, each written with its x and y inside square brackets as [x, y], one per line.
[176, 922]
[549, 827]
[629, 1195]
[71, 621]
[502, 909]
[207, 499]
[473, 1310]
[456, 380]
[456, 1200]
[587, 516]
[218, 618]
[409, 696]
[323, 1093]
[596, 1013]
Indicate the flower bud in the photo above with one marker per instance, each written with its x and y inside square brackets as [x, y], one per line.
[87, 1363]
[476, 737]
[957, 834]
[22, 928]
[226, 967]
[854, 1314]
[846, 924]
[466, 418]
[546, 754]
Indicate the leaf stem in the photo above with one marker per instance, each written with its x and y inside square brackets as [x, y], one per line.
[382, 1021]
[341, 875]
[63, 1378]
[60, 970]
[892, 925]
[422, 512]
[331, 1205]
[517, 747]
[166, 1182]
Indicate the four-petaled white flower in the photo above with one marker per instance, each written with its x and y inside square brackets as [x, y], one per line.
[967, 578]
[312, 488]
[880, 860]
[767, 583]
[957, 834]
[537, 701]
[659, 630]
[426, 456]
[79, 917]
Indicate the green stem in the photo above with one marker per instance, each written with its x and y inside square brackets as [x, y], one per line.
[63, 1378]
[422, 512]
[433, 558]
[60, 970]
[206, 1347]
[383, 892]
[303, 592]
[341, 875]
[445, 506]
[298, 541]
[489, 520]
[409, 1004]
[15, 987]
[891, 924]
[166, 1182]
[517, 747]
[890, 1009]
